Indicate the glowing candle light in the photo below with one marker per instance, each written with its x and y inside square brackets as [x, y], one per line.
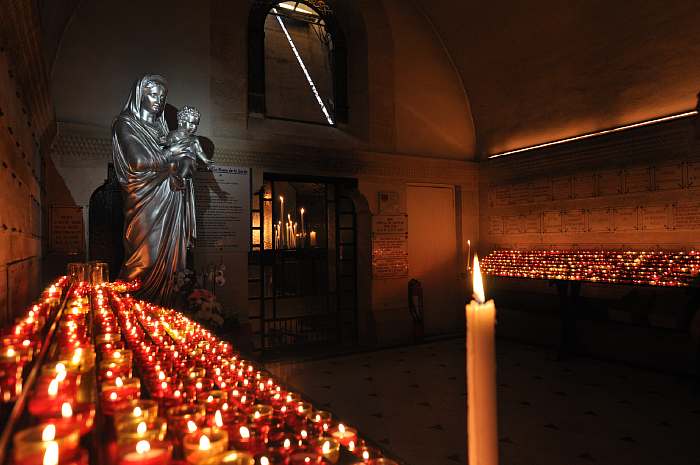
[481, 376]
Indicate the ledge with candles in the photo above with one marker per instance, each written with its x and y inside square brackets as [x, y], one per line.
[127, 382]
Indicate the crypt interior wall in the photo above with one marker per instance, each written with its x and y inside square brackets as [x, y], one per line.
[409, 119]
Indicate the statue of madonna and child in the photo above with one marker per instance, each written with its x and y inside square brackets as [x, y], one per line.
[154, 167]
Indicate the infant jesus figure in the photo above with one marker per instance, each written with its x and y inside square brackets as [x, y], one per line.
[187, 122]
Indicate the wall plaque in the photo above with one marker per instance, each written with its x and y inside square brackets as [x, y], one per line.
[389, 202]
[584, 186]
[668, 177]
[654, 217]
[574, 220]
[541, 190]
[520, 194]
[495, 225]
[694, 174]
[389, 224]
[499, 196]
[513, 224]
[600, 220]
[687, 215]
[532, 223]
[561, 188]
[609, 182]
[223, 208]
[625, 218]
[637, 179]
[551, 221]
[66, 230]
[389, 246]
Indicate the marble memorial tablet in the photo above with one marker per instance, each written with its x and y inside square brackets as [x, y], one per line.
[668, 177]
[625, 218]
[600, 220]
[499, 196]
[686, 215]
[654, 217]
[541, 190]
[637, 179]
[495, 225]
[532, 223]
[574, 220]
[561, 188]
[66, 230]
[584, 186]
[513, 224]
[609, 182]
[551, 221]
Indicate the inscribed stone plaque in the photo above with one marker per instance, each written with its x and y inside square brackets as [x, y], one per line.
[609, 182]
[654, 217]
[520, 194]
[561, 188]
[390, 224]
[637, 179]
[66, 230]
[389, 202]
[574, 220]
[625, 218]
[389, 255]
[600, 220]
[687, 215]
[541, 190]
[532, 223]
[584, 186]
[499, 196]
[513, 224]
[495, 225]
[551, 221]
[694, 174]
[668, 177]
[222, 206]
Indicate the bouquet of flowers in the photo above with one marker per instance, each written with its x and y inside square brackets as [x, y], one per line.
[198, 290]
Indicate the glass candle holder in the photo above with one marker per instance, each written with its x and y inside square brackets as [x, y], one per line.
[212, 400]
[115, 394]
[329, 449]
[112, 369]
[321, 420]
[145, 452]
[204, 444]
[139, 429]
[180, 415]
[231, 457]
[136, 409]
[30, 444]
[344, 434]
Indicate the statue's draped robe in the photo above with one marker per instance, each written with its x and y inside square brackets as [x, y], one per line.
[155, 228]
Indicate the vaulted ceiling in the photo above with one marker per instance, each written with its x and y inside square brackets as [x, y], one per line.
[536, 71]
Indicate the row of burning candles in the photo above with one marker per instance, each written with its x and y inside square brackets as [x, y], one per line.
[632, 267]
[207, 405]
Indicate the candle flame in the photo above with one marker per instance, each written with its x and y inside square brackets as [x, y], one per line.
[49, 433]
[256, 415]
[351, 446]
[304, 434]
[118, 382]
[264, 460]
[143, 446]
[307, 459]
[365, 455]
[66, 410]
[244, 432]
[341, 428]
[218, 420]
[51, 454]
[53, 388]
[142, 428]
[10, 352]
[210, 398]
[112, 395]
[478, 283]
[204, 443]
[137, 411]
[191, 426]
[326, 447]
[287, 443]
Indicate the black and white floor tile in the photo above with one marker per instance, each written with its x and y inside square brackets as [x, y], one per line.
[412, 401]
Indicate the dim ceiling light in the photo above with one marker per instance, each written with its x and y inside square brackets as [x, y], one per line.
[598, 133]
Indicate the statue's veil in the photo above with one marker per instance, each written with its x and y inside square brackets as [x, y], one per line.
[133, 103]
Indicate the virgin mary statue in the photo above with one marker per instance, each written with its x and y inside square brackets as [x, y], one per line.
[155, 230]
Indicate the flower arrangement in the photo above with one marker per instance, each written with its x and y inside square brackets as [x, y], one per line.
[198, 291]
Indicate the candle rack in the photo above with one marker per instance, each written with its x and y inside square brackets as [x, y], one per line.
[125, 334]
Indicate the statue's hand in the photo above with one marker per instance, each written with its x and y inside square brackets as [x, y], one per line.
[178, 150]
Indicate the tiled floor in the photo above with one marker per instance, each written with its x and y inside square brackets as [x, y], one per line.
[582, 411]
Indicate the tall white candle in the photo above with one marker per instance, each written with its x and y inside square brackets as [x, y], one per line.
[302, 224]
[482, 412]
[282, 215]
